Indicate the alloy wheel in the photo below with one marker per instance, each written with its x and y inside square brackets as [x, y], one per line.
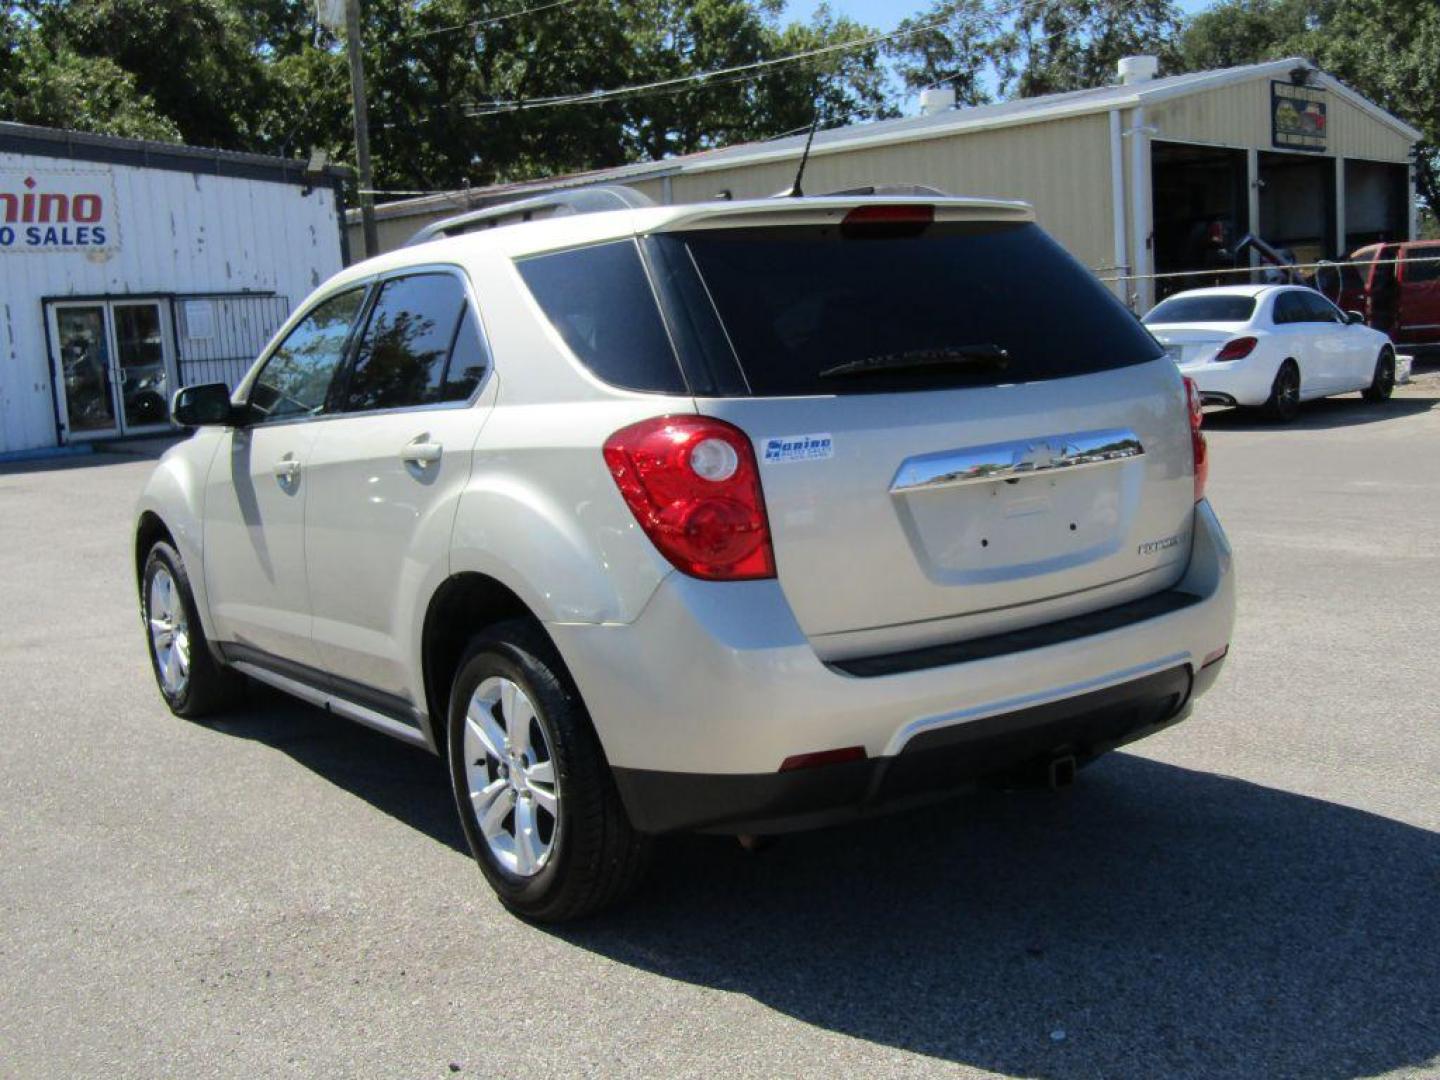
[1386, 380]
[510, 773]
[169, 632]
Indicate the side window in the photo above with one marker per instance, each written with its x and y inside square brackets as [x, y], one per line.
[468, 360]
[420, 346]
[600, 301]
[296, 379]
[1319, 310]
[1416, 271]
[1288, 309]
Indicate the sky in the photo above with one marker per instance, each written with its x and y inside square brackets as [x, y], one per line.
[885, 14]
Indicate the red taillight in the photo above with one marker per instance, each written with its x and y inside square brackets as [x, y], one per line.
[1237, 348]
[889, 219]
[1197, 437]
[693, 485]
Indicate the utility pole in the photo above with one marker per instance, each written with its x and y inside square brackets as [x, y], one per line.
[362, 126]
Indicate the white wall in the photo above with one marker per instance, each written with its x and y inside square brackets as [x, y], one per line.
[173, 232]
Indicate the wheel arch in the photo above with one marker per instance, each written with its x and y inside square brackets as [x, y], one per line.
[462, 606]
[150, 529]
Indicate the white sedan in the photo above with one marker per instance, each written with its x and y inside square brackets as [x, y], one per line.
[1271, 347]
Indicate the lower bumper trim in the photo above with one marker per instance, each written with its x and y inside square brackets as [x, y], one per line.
[932, 764]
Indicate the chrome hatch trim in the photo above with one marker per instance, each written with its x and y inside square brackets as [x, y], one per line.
[1013, 460]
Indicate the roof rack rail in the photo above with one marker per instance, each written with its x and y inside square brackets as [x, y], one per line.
[590, 200]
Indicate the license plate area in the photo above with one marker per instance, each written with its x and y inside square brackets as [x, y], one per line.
[1008, 529]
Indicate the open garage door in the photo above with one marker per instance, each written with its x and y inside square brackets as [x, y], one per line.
[1297, 205]
[1200, 211]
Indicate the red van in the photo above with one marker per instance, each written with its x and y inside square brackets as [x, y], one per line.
[1396, 286]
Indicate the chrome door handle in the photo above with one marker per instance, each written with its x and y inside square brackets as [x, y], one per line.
[287, 468]
[421, 452]
[1013, 460]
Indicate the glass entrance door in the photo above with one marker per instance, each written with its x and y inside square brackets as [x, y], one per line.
[114, 365]
[142, 363]
[82, 341]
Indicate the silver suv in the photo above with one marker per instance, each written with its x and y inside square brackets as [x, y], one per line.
[736, 517]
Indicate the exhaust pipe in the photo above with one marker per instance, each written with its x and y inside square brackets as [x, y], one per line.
[1061, 773]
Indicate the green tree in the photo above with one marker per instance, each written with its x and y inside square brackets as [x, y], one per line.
[1236, 32]
[58, 87]
[1038, 47]
[193, 59]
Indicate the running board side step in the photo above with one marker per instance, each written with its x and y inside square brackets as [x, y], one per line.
[333, 704]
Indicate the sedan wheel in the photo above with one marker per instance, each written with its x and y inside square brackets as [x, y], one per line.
[1383, 384]
[1284, 400]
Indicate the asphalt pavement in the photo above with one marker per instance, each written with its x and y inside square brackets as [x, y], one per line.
[1253, 893]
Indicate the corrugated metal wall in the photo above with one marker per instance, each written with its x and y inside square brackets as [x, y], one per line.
[178, 232]
[1061, 167]
[1239, 116]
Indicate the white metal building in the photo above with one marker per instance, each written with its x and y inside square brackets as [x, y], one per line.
[128, 268]
[1150, 175]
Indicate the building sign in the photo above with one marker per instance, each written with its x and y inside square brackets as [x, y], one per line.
[51, 210]
[1297, 117]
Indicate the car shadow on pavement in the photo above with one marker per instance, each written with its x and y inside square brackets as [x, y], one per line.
[1155, 921]
[1322, 414]
[405, 782]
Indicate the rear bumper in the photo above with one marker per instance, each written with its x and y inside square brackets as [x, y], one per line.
[700, 699]
[1237, 382]
[930, 765]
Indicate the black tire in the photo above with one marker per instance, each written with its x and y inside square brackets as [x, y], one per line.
[1284, 401]
[208, 687]
[597, 857]
[1383, 384]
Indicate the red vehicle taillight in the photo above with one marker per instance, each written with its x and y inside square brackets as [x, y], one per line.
[1237, 348]
[694, 486]
[1197, 437]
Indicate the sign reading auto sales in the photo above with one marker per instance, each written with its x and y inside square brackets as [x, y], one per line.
[58, 210]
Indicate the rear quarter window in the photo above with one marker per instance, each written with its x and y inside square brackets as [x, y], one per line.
[600, 302]
[798, 301]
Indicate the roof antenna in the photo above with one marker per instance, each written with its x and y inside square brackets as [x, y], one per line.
[795, 192]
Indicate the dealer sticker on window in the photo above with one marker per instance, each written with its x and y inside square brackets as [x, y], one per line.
[799, 448]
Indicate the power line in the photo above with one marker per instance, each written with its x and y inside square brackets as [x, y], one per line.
[475, 24]
[493, 108]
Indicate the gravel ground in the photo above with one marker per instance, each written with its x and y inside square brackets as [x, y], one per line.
[1254, 893]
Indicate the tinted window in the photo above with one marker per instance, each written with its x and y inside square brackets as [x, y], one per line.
[402, 357]
[1289, 308]
[1188, 309]
[600, 301]
[468, 361]
[296, 378]
[1416, 271]
[1318, 309]
[799, 301]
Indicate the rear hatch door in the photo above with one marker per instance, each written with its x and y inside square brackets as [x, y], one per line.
[947, 498]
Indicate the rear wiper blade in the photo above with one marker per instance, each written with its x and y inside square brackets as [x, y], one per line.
[958, 356]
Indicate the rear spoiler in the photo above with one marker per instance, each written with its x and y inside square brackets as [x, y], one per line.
[830, 209]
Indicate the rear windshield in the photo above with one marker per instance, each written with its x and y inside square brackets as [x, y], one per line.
[798, 303]
[1191, 309]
